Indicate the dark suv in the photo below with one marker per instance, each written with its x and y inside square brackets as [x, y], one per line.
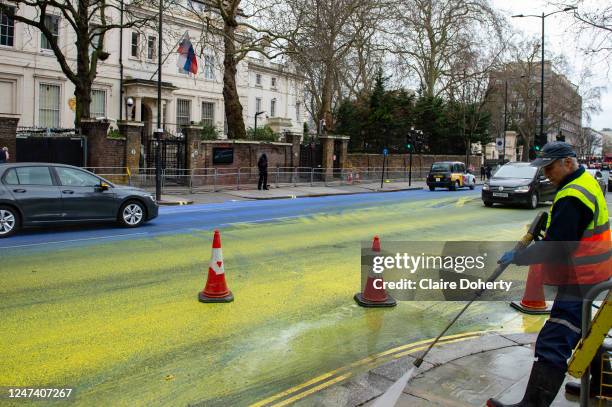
[36, 194]
[518, 183]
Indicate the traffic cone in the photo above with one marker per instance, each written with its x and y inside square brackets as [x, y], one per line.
[216, 289]
[533, 301]
[371, 296]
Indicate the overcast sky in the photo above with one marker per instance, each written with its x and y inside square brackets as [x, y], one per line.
[561, 41]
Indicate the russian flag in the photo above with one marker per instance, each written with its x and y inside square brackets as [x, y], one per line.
[187, 60]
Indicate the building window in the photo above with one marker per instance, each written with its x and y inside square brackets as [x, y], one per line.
[257, 105]
[274, 82]
[7, 28]
[273, 108]
[209, 67]
[208, 113]
[98, 103]
[151, 43]
[135, 41]
[52, 24]
[183, 112]
[49, 106]
[298, 113]
[258, 79]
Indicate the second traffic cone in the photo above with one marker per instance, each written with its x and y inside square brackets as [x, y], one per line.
[533, 301]
[372, 296]
[216, 288]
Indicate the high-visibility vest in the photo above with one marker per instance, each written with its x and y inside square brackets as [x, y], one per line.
[591, 263]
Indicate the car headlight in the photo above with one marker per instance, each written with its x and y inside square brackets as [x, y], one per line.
[524, 188]
[485, 187]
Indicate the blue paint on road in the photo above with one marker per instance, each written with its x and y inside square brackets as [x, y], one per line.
[184, 219]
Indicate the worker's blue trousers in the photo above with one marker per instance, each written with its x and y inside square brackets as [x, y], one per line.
[562, 331]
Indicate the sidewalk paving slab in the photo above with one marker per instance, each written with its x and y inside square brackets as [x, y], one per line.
[464, 373]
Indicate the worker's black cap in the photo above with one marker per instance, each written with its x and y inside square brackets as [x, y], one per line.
[553, 151]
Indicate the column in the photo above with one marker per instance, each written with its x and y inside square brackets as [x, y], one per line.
[95, 131]
[132, 132]
[192, 145]
[8, 134]
[138, 107]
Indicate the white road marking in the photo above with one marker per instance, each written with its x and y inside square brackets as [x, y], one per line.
[72, 240]
[262, 220]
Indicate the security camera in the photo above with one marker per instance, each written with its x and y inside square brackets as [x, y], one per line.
[129, 102]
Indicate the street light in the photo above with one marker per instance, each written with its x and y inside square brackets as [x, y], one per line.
[256, 115]
[543, 16]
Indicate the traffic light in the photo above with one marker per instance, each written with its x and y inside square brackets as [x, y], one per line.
[409, 146]
[536, 147]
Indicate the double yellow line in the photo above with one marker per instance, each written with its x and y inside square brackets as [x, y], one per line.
[325, 380]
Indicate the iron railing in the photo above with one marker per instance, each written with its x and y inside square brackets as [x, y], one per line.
[219, 179]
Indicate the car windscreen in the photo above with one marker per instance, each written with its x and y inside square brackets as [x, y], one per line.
[515, 171]
[440, 167]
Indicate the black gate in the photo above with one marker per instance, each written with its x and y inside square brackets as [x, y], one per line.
[51, 146]
[172, 153]
[311, 155]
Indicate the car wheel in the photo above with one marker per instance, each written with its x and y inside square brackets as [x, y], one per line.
[488, 204]
[9, 221]
[132, 214]
[533, 201]
[454, 186]
[432, 188]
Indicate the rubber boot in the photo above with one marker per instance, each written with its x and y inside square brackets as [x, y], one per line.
[574, 388]
[544, 384]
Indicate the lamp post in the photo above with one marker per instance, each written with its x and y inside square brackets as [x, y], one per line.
[257, 115]
[543, 16]
[160, 130]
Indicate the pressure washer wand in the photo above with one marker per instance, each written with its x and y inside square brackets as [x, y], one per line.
[537, 226]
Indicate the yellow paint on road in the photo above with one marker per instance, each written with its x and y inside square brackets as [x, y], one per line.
[117, 319]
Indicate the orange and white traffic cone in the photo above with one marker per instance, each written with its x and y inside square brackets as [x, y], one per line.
[216, 289]
[533, 301]
[372, 296]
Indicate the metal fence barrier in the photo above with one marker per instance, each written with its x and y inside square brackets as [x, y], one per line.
[200, 180]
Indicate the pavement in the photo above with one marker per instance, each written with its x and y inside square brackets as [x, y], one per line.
[287, 192]
[465, 370]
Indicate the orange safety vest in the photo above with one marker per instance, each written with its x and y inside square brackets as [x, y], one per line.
[591, 263]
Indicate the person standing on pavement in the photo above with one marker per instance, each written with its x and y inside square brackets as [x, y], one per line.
[4, 155]
[575, 255]
[262, 164]
[483, 172]
[488, 172]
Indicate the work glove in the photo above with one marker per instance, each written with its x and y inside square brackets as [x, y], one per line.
[507, 258]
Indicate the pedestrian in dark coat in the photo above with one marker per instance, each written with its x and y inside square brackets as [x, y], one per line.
[489, 171]
[483, 172]
[262, 164]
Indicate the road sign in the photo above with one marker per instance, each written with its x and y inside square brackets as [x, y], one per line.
[385, 152]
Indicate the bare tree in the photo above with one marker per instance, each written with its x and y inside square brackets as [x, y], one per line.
[433, 35]
[236, 28]
[592, 24]
[88, 21]
[330, 36]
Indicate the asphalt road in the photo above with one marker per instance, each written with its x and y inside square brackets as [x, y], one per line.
[114, 314]
[184, 219]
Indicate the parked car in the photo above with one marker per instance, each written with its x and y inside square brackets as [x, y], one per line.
[518, 183]
[451, 175]
[598, 175]
[39, 194]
